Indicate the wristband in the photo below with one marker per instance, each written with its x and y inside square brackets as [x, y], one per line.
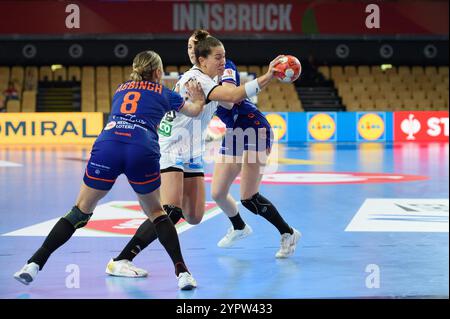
[252, 88]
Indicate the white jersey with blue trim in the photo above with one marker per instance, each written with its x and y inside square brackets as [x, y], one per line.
[182, 136]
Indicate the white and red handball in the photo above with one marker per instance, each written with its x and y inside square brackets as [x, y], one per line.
[289, 69]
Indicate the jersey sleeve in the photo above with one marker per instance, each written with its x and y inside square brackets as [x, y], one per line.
[229, 74]
[176, 101]
[207, 85]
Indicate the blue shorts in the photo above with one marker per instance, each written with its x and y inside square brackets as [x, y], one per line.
[251, 132]
[109, 159]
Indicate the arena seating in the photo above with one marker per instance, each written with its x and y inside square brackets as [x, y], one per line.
[360, 88]
[364, 87]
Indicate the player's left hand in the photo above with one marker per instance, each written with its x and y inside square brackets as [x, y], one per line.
[194, 91]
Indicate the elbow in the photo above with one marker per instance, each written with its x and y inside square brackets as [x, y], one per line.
[236, 98]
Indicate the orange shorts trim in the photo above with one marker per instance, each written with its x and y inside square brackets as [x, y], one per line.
[146, 182]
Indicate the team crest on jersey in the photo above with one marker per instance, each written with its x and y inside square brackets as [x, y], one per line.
[229, 74]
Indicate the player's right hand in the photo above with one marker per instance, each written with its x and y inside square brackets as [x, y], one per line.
[272, 66]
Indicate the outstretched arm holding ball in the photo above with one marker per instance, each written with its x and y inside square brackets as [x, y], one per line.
[286, 68]
[249, 89]
[265, 79]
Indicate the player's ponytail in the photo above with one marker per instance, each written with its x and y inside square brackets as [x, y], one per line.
[144, 66]
[199, 35]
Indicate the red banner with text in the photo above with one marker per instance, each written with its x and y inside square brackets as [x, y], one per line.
[421, 126]
[224, 17]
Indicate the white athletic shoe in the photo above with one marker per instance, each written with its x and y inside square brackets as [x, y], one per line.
[124, 268]
[27, 273]
[234, 235]
[288, 244]
[186, 281]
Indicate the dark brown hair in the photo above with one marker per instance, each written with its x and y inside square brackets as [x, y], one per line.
[204, 47]
[199, 35]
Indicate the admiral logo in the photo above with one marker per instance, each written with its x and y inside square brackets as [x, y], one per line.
[60, 128]
[43, 128]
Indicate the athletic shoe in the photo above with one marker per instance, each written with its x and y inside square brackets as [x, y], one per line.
[186, 281]
[234, 235]
[288, 244]
[124, 268]
[27, 273]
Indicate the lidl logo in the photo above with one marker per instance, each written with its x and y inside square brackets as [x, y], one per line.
[278, 122]
[321, 126]
[371, 126]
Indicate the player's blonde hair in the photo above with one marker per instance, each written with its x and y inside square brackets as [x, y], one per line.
[144, 66]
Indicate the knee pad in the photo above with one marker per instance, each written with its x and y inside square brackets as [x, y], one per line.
[258, 205]
[77, 218]
[174, 213]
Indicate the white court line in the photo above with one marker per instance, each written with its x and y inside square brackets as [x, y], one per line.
[9, 164]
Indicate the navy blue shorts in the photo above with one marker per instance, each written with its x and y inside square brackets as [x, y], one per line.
[109, 159]
[251, 132]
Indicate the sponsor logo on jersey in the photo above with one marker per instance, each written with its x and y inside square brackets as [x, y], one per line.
[110, 125]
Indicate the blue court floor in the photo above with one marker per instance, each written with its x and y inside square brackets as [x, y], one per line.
[374, 219]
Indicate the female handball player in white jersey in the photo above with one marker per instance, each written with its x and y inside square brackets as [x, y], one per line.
[182, 143]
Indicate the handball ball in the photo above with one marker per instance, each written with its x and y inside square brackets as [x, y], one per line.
[289, 69]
